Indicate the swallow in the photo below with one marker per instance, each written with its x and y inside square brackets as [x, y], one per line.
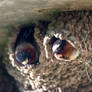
[26, 53]
[62, 49]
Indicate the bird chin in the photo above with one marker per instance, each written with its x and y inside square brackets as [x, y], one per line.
[58, 57]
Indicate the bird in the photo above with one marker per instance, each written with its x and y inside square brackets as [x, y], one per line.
[26, 53]
[62, 49]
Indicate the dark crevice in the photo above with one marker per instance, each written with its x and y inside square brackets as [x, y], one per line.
[26, 34]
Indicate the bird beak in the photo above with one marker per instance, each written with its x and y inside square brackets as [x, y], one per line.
[25, 62]
[58, 56]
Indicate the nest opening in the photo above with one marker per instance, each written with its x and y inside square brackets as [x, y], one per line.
[63, 49]
[25, 41]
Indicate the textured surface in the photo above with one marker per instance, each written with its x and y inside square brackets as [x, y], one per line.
[50, 73]
[67, 76]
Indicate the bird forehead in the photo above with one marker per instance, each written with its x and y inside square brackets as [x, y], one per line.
[55, 46]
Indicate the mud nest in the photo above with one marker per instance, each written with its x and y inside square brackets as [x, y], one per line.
[75, 75]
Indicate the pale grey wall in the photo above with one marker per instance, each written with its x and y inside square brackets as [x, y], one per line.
[11, 10]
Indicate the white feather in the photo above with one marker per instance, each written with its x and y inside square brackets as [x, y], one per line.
[55, 47]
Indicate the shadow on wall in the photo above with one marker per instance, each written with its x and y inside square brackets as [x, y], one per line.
[7, 82]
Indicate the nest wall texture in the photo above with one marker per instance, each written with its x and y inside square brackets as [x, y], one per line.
[52, 74]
